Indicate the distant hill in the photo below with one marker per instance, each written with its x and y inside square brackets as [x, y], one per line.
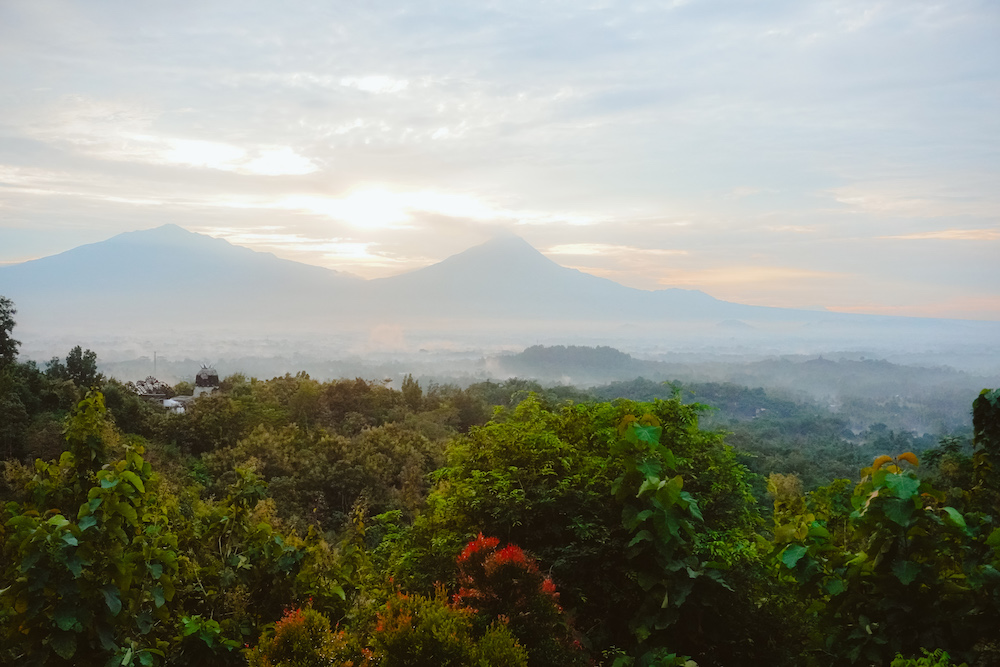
[581, 365]
[508, 278]
[169, 279]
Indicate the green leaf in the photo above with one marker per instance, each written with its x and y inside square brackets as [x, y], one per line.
[168, 588]
[64, 644]
[906, 571]
[134, 480]
[640, 536]
[107, 483]
[158, 598]
[816, 529]
[144, 621]
[155, 569]
[651, 484]
[647, 434]
[106, 637]
[994, 539]
[693, 508]
[792, 555]
[73, 564]
[87, 522]
[29, 560]
[650, 468]
[58, 521]
[69, 539]
[111, 598]
[65, 618]
[129, 512]
[835, 587]
[900, 511]
[954, 517]
[903, 486]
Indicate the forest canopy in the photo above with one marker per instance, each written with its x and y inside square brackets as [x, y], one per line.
[291, 522]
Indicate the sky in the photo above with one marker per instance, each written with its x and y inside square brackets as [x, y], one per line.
[798, 153]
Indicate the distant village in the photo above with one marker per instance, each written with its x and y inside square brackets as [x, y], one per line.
[156, 391]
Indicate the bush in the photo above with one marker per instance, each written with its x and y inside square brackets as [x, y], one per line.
[302, 638]
[507, 584]
[414, 631]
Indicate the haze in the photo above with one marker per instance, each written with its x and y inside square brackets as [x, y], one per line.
[798, 154]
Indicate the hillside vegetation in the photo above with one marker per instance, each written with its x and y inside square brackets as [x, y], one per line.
[297, 522]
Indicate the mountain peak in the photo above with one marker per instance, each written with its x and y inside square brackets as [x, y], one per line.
[509, 245]
[168, 234]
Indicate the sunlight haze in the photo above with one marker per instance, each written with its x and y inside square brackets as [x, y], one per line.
[839, 155]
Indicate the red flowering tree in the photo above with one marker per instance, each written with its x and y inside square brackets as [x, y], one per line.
[505, 584]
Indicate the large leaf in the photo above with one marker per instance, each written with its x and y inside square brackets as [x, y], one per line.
[792, 555]
[144, 621]
[640, 536]
[903, 486]
[647, 434]
[900, 511]
[65, 618]
[64, 644]
[111, 598]
[906, 571]
[134, 480]
[953, 517]
[158, 597]
[835, 587]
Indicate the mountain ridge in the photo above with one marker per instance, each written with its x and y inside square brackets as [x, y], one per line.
[169, 276]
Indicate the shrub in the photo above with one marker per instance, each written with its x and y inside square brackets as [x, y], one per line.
[506, 584]
[302, 638]
[413, 631]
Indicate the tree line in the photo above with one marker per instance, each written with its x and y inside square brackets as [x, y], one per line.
[297, 522]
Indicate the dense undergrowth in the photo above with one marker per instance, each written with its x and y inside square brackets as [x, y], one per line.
[294, 522]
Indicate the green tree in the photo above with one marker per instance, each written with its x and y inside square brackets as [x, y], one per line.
[91, 560]
[549, 480]
[413, 395]
[8, 346]
[906, 569]
[81, 366]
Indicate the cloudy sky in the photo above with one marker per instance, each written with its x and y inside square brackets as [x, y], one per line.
[801, 153]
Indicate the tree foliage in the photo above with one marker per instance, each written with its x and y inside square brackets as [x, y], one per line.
[298, 522]
[8, 345]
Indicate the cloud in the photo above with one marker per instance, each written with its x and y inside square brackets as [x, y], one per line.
[948, 195]
[381, 208]
[121, 131]
[604, 249]
[977, 307]
[281, 161]
[793, 229]
[951, 235]
[335, 252]
[375, 83]
[741, 275]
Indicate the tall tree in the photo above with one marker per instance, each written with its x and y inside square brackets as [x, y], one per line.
[81, 366]
[8, 346]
